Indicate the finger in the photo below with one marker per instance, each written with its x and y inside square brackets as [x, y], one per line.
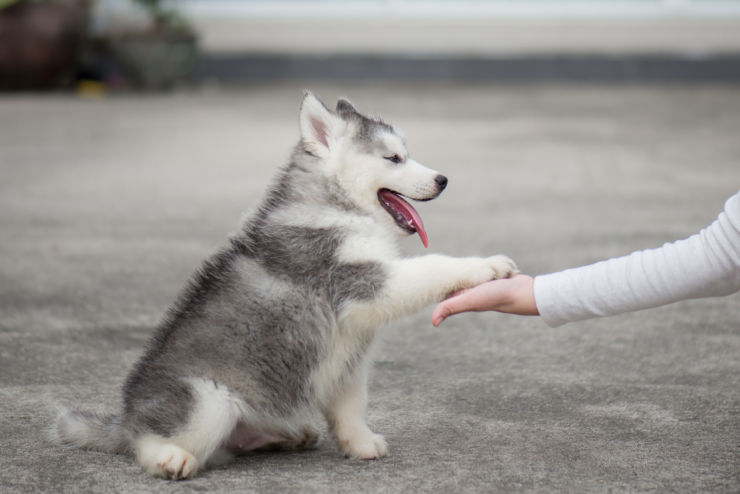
[451, 306]
[439, 314]
[438, 317]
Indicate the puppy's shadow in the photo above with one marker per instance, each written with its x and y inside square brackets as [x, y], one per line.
[280, 458]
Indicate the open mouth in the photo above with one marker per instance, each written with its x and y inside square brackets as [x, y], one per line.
[402, 213]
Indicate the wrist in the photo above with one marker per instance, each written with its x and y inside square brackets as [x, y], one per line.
[522, 298]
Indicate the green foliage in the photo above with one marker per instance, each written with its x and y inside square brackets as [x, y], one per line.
[166, 19]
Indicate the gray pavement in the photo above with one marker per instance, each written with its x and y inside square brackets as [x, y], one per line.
[107, 206]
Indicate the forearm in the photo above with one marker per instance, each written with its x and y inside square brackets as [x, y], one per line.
[706, 264]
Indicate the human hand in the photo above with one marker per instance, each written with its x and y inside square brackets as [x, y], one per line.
[513, 295]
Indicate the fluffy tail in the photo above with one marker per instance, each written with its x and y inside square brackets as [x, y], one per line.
[90, 431]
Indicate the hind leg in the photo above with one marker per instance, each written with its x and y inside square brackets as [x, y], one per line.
[190, 444]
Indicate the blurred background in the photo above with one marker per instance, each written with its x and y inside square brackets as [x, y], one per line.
[97, 45]
[135, 133]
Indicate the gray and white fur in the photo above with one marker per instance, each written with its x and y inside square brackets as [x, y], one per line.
[277, 325]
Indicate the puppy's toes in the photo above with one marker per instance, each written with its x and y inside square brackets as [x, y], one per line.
[310, 438]
[503, 267]
[169, 461]
[369, 447]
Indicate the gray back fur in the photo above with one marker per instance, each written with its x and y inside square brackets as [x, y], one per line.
[259, 315]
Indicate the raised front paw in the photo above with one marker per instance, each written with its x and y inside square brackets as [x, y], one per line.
[502, 267]
[479, 270]
[365, 445]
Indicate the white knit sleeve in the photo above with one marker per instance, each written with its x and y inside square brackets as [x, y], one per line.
[703, 265]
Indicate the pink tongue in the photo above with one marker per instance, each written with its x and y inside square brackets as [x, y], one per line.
[408, 212]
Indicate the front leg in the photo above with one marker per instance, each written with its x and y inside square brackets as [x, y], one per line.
[346, 418]
[413, 283]
[419, 281]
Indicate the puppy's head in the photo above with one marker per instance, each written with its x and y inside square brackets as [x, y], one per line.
[369, 160]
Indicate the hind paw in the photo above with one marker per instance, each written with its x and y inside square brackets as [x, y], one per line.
[168, 461]
[175, 463]
[308, 439]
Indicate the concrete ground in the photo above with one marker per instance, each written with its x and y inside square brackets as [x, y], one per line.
[107, 206]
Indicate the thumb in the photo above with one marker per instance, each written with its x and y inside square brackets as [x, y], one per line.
[451, 306]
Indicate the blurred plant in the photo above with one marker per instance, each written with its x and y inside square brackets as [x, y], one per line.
[166, 19]
[8, 3]
[159, 55]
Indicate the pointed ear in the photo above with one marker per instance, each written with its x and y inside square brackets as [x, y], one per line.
[344, 106]
[317, 124]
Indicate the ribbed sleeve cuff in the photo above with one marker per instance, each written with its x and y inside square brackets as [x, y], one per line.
[545, 296]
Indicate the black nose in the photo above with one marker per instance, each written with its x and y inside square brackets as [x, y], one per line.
[441, 181]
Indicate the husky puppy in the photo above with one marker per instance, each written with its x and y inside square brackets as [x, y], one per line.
[277, 325]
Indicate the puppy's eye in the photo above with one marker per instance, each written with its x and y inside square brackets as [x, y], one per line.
[394, 158]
